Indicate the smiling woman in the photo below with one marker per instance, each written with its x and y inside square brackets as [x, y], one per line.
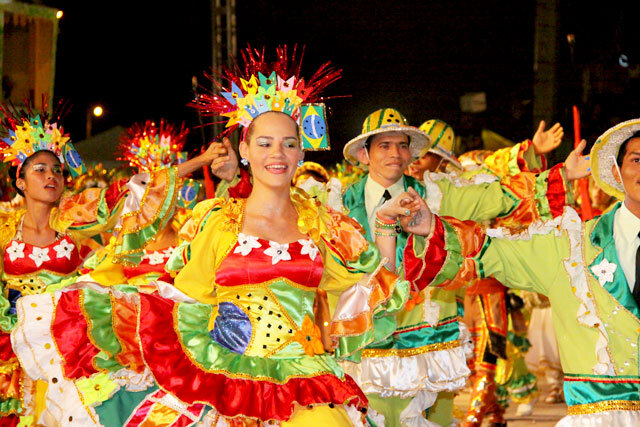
[235, 340]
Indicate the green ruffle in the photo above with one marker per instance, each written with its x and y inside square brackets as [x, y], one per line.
[7, 321]
[98, 308]
[209, 355]
[541, 195]
[10, 406]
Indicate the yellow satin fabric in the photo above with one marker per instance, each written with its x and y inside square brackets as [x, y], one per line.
[319, 416]
[160, 415]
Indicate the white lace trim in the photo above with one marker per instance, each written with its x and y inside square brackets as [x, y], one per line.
[434, 194]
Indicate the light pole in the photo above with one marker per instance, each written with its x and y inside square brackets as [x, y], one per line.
[95, 111]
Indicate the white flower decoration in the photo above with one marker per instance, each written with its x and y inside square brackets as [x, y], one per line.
[64, 249]
[278, 252]
[15, 251]
[308, 248]
[604, 271]
[246, 243]
[155, 258]
[169, 251]
[39, 255]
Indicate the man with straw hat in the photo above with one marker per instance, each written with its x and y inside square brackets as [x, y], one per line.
[428, 340]
[589, 271]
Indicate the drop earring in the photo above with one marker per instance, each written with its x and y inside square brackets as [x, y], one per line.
[300, 163]
[244, 162]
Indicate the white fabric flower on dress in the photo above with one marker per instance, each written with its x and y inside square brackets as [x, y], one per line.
[155, 258]
[278, 252]
[16, 250]
[169, 251]
[64, 249]
[604, 271]
[245, 244]
[39, 255]
[309, 248]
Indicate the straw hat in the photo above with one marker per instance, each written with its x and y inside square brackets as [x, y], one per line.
[604, 153]
[386, 120]
[443, 138]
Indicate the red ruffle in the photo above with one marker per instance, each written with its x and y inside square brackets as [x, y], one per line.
[69, 330]
[263, 400]
[6, 350]
[115, 192]
[419, 272]
[556, 190]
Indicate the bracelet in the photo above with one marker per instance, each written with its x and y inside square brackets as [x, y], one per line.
[380, 233]
[384, 220]
[385, 226]
[389, 227]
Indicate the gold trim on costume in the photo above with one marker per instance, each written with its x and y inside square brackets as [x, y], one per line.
[380, 352]
[607, 405]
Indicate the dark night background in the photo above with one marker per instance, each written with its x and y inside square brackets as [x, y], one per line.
[137, 60]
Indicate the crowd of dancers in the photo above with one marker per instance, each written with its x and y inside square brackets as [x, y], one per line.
[370, 292]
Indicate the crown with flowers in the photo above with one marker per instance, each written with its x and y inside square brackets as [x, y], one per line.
[26, 132]
[245, 92]
[149, 147]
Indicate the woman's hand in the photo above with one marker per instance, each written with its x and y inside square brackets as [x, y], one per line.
[419, 221]
[400, 206]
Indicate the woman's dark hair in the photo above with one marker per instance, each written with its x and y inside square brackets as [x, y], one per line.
[623, 148]
[249, 132]
[14, 169]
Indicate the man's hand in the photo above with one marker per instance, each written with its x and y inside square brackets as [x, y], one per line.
[546, 141]
[224, 163]
[576, 165]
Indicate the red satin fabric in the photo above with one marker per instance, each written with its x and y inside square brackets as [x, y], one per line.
[243, 188]
[257, 267]
[175, 373]
[6, 351]
[69, 329]
[556, 191]
[26, 265]
[145, 267]
[115, 192]
[417, 270]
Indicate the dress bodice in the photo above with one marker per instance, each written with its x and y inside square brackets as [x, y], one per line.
[253, 260]
[61, 257]
[265, 289]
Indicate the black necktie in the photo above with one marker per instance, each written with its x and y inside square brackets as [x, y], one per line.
[636, 286]
[386, 196]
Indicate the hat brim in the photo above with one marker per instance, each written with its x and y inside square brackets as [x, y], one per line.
[419, 142]
[447, 156]
[604, 154]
